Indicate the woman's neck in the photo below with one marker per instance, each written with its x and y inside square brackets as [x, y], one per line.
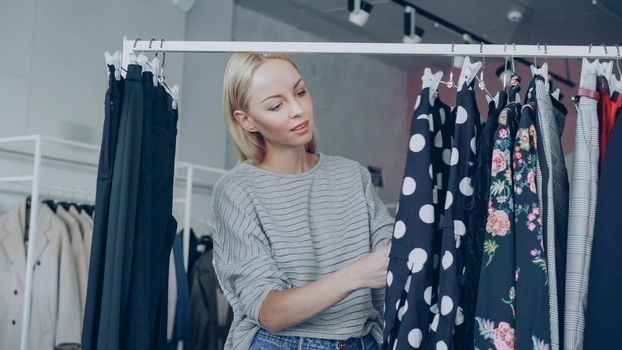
[288, 161]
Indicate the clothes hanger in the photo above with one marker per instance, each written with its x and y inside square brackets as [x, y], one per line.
[480, 81]
[113, 60]
[468, 72]
[450, 83]
[431, 80]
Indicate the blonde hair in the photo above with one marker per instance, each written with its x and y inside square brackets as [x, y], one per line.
[238, 77]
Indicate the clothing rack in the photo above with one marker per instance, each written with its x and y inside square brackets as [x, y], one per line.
[474, 50]
[187, 200]
[35, 179]
[37, 185]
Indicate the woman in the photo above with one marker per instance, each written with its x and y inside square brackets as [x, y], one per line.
[300, 242]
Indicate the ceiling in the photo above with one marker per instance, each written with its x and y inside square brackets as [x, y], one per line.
[561, 22]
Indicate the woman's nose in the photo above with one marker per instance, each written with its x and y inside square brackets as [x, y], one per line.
[296, 109]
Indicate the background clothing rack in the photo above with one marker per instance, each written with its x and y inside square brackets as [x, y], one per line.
[474, 50]
[187, 199]
[35, 179]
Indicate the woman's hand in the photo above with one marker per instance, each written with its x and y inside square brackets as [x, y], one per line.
[289, 307]
[370, 271]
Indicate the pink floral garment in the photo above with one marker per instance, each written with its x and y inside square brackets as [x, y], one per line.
[495, 312]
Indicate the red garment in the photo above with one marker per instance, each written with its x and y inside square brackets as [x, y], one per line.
[608, 105]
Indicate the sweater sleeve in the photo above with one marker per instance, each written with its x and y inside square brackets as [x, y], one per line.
[243, 261]
[380, 228]
[380, 221]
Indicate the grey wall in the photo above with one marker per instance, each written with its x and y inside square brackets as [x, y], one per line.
[202, 128]
[53, 76]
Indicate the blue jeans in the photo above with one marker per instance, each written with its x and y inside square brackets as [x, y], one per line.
[265, 340]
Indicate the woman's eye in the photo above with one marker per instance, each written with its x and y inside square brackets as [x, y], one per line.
[302, 93]
[275, 108]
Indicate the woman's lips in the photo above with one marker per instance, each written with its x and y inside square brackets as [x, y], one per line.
[301, 128]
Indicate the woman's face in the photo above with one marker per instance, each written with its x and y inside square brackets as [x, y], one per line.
[280, 107]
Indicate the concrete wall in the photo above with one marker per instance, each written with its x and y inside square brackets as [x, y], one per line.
[53, 74]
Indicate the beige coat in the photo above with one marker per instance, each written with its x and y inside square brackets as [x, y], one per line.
[87, 232]
[77, 248]
[55, 315]
[88, 236]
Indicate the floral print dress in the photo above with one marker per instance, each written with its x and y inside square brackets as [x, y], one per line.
[495, 311]
[532, 292]
[513, 309]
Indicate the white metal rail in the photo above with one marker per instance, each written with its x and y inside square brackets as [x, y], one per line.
[505, 50]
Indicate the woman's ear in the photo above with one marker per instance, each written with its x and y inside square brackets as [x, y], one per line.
[244, 120]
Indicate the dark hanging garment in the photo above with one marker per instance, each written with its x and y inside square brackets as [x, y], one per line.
[181, 329]
[453, 311]
[482, 183]
[495, 312]
[412, 275]
[113, 102]
[532, 294]
[140, 228]
[603, 319]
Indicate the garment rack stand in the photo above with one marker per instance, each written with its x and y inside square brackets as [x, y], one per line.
[187, 200]
[35, 179]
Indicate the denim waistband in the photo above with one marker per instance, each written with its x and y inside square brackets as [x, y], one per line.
[269, 341]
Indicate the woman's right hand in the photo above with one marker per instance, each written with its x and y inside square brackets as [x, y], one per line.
[370, 271]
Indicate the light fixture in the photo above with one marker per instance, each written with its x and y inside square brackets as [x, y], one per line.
[412, 33]
[359, 11]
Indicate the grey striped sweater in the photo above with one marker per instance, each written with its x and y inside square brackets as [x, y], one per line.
[276, 231]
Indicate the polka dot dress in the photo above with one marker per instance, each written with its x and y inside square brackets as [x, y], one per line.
[455, 300]
[412, 305]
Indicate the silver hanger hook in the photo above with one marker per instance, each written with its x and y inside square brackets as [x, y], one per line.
[618, 61]
[605, 47]
[136, 41]
[161, 43]
[505, 47]
[546, 52]
[452, 47]
[151, 42]
[589, 50]
[481, 47]
[505, 72]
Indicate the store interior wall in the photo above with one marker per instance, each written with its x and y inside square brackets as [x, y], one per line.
[53, 77]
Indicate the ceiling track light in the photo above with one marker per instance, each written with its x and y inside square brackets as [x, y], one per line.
[359, 11]
[412, 33]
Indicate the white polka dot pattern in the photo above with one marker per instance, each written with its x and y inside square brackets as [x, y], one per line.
[414, 338]
[417, 143]
[400, 229]
[408, 186]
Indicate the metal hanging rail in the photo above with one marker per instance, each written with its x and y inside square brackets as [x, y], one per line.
[476, 50]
